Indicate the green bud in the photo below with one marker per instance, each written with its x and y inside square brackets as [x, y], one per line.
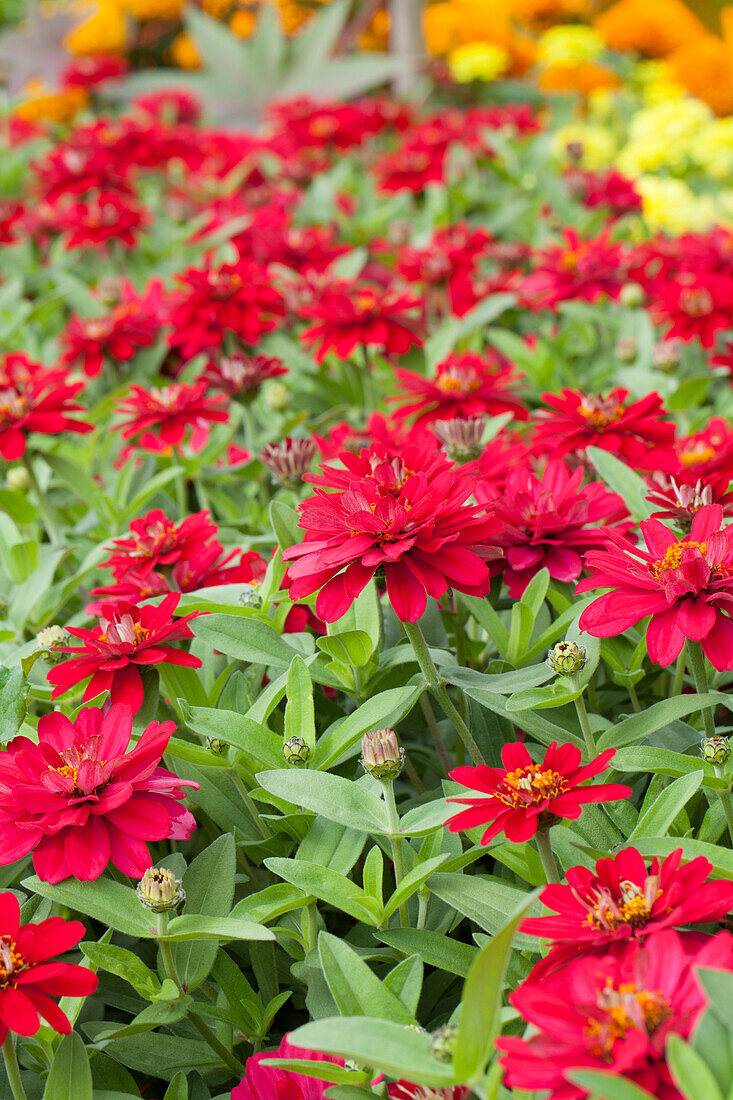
[49, 639]
[443, 1042]
[627, 348]
[632, 295]
[381, 754]
[567, 658]
[715, 750]
[296, 752]
[160, 890]
[250, 598]
[277, 396]
[17, 479]
[215, 745]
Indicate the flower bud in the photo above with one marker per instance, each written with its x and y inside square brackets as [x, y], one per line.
[250, 598]
[289, 460]
[213, 744]
[49, 639]
[462, 440]
[631, 295]
[567, 658]
[381, 754]
[160, 890]
[715, 750]
[666, 354]
[17, 479]
[296, 752]
[443, 1042]
[278, 396]
[4, 607]
[626, 348]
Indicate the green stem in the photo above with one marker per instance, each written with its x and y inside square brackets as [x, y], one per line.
[725, 802]
[696, 659]
[423, 896]
[44, 508]
[395, 841]
[438, 688]
[181, 488]
[679, 675]
[251, 430]
[264, 829]
[544, 847]
[203, 1029]
[427, 708]
[12, 1069]
[590, 741]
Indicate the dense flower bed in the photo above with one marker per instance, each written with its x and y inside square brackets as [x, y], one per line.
[366, 632]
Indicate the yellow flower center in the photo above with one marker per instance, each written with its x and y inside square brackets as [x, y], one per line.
[11, 962]
[531, 786]
[623, 1009]
[599, 411]
[673, 557]
[697, 452]
[462, 382]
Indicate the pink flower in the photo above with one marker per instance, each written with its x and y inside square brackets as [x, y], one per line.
[261, 1082]
[79, 800]
[686, 585]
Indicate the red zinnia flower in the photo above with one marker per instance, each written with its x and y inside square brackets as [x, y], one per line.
[550, 522]
[34, 398]
[158, 418]
[79, 800]
[465, 385]
[400, 513]
[686, 585]
[262, 1082]
[576, 269]
[106, 216]
[706, 454]
[157, 542]
[695, 306]
[609, 189]
[522, 797]
[615, 1013]
[29, 978]
[625, 900]
[133, 323]
[681, 503]
[405, 1090]
[241, 376]
[350, 317]
[237, 299]
[506, 452]
[636, 432]
[125, 639]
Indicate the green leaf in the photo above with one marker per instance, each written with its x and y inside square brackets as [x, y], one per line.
[720, 858]
[245, 638]
[607, 1086]
[330, 796]
[653, 718]
[480, 1012]
[107, 901]
[623, 481]
[261, 746]
[70, 1076]
[178, 1088]
[356, 990]
[486, 901]
[299, 711]
[209, 886]
[412, 881]
[328, 885]
[284, 520]
[379, 712]
[373, 874]
[666, 762]
[405, 980]
[691, 1074]
[656, 819]
[125, 964]
[192, 927]
[435, 950]
[13, 701]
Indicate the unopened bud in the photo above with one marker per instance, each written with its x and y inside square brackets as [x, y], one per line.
[626, 349]
[250, 598]
[289, 460]
[49, 639]
[443, 1042]
[567, 658]
[278, 396]
[17, 479]
[215, 745]
[632, 295]
[296, 752]
[160, 890]
[666, 354]
[462, 440]
[381, 754]
[715, 750]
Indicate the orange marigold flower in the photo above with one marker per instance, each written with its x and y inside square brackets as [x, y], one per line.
[584, 77]
[60, 106]
[654, 28]
[705, 67]
[184, 53]
[541, 14]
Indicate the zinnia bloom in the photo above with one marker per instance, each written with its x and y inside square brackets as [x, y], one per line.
[522, 797]
[106, 216]
[577, 269]
[637, 432]
[624, 899]
[405, 1090]
[133, 323]
[549, 522]
[34, 398]
[29, 978]
[615, 1013]
[241, 376]
[79, 800]
[694, 306]
[401, 515]
[125, 639]
[159, 417]
[465, 385]
[705, 455]
[686, 585]
[351, 317]
[261, 1082]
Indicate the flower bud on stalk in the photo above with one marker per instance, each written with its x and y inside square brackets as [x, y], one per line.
[626, 348]
[17, 479]
[289, 460]
[381, 754]
[160, 890]
[296, 752]
[443, 1042]
[715, 750]
[632, 295]
[48, 639]
[461, 439]
[215, 745]
[567, 658]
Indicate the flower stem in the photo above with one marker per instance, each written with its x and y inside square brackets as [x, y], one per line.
[395, 841]
[203, 1029]
[725, 802]
[590, 741]
[544, 847]
[696, 659]
[12, 1069]
[181, 488]
[427, 708]
[679, 674]
[44, 508]
[262, 827]
[438, 688]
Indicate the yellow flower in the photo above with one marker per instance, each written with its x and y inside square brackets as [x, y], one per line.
[598, 143]
[650, 27]
[478, 61]
[103, 33]
[147, 10]
[562, 45]
[713, 149]
[243, 23]
[183, 52]
[669, 204]
[441, 28]
[44, 104]
[663, 136]
[376, 36]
